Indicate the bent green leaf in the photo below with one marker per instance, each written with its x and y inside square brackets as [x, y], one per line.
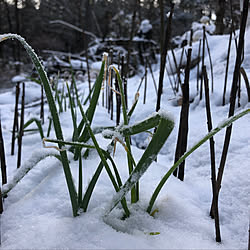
[224, 124]
[164, 129]
[54, 114]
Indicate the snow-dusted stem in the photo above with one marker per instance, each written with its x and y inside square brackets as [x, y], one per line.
[36, 157]
[165, 127]
[135, 190]
[103, 159]
[54, 114]
[226, 123]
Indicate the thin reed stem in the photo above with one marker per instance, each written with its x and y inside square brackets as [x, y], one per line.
[226, 123]
[244, 74]
[2, 157]
[15, 121]
[165, 45]
[20, 134]
[233, 96]
[211, 64]
[226, 72]
[202, 60]
[212, 157]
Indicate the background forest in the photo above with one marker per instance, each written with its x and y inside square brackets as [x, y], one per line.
[104, 18]
[120, 86]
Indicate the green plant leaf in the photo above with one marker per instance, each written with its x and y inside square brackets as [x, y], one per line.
[135, 190]
[38, 123]
[136, 128]
[103, 159]
[91, 109]
[54, 114]
[132, 109]
[224, 124]
[93, 103]
[164, 129]
[36, 157]
[73, 115]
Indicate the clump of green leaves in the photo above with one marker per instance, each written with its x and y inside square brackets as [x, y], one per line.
[83, 132]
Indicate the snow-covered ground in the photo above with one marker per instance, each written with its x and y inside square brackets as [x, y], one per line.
[37, 212]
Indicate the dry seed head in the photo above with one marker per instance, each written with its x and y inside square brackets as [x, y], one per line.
[57, 148]
[116, 139]
[105, 59]
[137, 95]
[109, 77]
[154, 212]
[2, 38]
[105, 56]
[112, 66]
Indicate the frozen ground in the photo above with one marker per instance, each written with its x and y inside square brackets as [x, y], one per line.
[37, 213]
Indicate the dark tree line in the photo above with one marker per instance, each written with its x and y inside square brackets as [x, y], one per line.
[104, 18]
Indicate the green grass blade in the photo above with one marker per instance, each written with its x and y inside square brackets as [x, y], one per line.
[38, 123]
[124, 109]
[25, 168]
[134, 192]
[226, 123]
[89, 95]
[103, 159]
[93, 103]
[80, 181]
[73, 115]
[137, 128]
[132, 109]
[74, 85]
[87, 195]
[163, 131]
[91, 109]
[54, 114]
[76, 144]
[118, 178]
[49, 127]
[97, 130]
[62, 99]
[92, 183]
[142, 126]
[58, 99]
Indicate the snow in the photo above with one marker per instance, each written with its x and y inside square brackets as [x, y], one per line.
[19, 78]
[37, 212]
[145, 26]
[166, 115]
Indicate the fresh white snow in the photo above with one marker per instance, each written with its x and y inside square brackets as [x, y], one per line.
[37, 212]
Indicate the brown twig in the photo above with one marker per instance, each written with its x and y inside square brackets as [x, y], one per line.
[212, 157]
[2, 157]
[163, 57]
[152, 74]
[244, 74]
[198, 66]
[211, 63]
[203, 59]
[227, 65]
[42, 106]
[15, 122]
[145, 86]
[20, 136]
[181, 145]
[233, 96]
